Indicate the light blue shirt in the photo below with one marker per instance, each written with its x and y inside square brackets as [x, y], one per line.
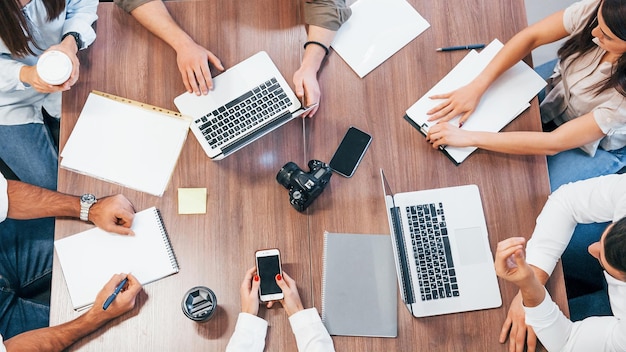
[20, 104]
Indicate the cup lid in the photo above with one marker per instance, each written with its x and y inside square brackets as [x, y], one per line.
[199, 303]
[54, 67]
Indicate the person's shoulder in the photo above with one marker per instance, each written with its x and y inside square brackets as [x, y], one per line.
[575, 16]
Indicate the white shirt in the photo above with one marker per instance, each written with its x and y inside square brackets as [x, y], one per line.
[570, 96]
[20, 104]
[598, 199]
[310, 333]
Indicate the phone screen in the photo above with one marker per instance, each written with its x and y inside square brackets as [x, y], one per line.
[350, 152]
[267, 268]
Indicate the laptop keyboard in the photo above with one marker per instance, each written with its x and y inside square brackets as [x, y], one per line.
[431, 248]
[243, 114]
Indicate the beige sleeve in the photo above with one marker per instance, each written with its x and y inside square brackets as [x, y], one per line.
[329, 14]
[129, 5]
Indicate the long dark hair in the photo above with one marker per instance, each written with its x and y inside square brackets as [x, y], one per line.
[615, 246]
[14, 29]
[614, 14]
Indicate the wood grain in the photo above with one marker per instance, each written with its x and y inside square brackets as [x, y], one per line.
[249, 210]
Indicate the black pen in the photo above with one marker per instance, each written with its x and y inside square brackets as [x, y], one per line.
[111, 298]
[462, 47]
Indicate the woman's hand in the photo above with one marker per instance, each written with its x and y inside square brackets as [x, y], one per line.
[461, 101]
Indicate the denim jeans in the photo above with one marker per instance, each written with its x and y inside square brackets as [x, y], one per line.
[29, 150]
[25, 274]
[584, 279]
[575, 165]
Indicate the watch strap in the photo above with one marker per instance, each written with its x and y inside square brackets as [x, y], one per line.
[76, 35]
[86, 201]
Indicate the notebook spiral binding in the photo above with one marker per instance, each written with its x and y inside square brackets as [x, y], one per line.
[324, 256]
[166, 239]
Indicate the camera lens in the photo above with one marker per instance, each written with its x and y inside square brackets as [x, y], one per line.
[284, 175]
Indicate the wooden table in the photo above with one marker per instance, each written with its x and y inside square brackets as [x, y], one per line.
[249, 210]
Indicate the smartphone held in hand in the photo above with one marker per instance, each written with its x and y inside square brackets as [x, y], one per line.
[268, 265]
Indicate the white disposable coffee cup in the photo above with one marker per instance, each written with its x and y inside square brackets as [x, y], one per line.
[54, 67]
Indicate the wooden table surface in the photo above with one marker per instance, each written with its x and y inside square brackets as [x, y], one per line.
[249, 210]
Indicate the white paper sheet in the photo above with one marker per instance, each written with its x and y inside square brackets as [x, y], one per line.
[125, 144]
[376, 30]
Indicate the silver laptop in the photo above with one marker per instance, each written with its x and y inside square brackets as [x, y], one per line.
[248, 101]
[441, 248]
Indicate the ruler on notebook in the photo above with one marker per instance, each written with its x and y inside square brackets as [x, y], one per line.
[140, 104]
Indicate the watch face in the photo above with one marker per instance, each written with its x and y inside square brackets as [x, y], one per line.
[88, 198]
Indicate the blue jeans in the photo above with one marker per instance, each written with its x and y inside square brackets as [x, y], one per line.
[575, 165]
[29, 150]
[25, 274]
[584, 279]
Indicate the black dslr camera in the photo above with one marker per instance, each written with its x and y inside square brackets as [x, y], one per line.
[304, 187]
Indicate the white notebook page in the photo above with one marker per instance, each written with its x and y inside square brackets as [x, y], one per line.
[89, 259]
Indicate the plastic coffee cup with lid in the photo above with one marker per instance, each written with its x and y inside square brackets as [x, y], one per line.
[54, 67]
[199, 303]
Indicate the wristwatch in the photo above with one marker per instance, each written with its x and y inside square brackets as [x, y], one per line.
[76, 35]
[86, 201]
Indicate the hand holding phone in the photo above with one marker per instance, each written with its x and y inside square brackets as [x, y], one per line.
[268, 265]
[350, 152]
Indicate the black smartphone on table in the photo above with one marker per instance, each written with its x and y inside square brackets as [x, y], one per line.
[350, 152]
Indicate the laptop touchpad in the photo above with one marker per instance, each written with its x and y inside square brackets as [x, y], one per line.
[470, 245]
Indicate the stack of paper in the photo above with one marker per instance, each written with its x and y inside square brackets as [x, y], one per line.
[376, 30]
[506, 98]
[126, 142]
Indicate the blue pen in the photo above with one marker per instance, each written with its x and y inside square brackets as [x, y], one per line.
[462, 47]
[111, 298]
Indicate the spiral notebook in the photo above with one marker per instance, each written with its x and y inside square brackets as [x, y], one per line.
[359, 290]
[89, 259]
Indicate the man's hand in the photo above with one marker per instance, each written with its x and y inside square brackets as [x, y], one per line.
[113, 214]
[193, 63]
[307, 88]
[124, 302]
[511, 265]
[516, 330]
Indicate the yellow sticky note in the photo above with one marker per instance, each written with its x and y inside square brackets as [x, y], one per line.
[192, 201]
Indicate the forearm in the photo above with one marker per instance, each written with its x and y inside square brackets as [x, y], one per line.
[515, 50]
[315, 54]
[55, 338]
[533, 292]
[541, 275]
[30, 202]
[80, 16]
[518, 142]
[548, 30]
[155, 18]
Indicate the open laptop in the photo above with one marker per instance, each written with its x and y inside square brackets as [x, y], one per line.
[248, 101]
[449, 269]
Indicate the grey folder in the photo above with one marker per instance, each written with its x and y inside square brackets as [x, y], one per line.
[359, 289]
